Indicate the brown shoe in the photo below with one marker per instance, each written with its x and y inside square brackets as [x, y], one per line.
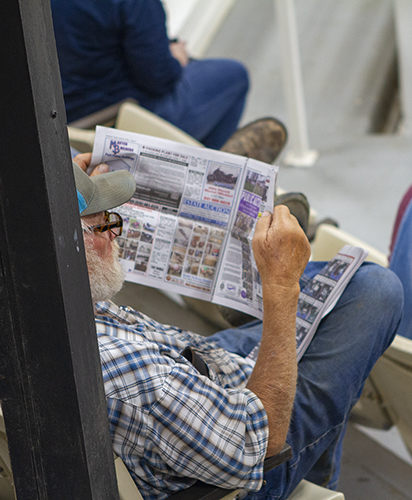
[262, 140]
[311, 232]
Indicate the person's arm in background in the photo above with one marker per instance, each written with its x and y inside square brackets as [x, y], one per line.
[178, 50]
[147, 49]
[281, 252]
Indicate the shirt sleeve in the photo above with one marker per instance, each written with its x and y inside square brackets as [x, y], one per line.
[152, 67]
[169, 423]
[209, 432]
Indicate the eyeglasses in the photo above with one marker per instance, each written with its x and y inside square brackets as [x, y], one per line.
[114, 223]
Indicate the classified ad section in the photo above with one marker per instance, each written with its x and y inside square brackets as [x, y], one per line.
[190, 222]
[159, 249]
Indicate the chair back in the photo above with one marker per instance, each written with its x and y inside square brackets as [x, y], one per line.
[134, 118]
[81, 139]
[387, 397]
[127, 487]
[330, 239]
[392, 375]
[130, 117]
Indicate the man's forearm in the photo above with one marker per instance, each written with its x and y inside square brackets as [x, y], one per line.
[281, 251]
[273, 379]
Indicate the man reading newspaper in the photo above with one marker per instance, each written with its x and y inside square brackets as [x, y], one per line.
[173, 423]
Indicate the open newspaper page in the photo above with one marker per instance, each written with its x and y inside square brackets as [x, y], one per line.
[239, 285]
[177, 224]
[320, 294]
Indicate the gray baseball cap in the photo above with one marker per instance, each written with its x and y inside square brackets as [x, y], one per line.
[102, 192]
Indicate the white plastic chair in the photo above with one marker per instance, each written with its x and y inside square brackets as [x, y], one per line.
[387, 396]
[134, 118]
[392, 377]
[309, 491]
[330, 239]
[304, 491]
[131, 117]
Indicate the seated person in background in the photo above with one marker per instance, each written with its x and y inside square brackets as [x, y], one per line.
[111, 50]
[173, 423]
[400, 258]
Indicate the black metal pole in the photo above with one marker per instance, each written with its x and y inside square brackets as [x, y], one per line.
[50, 377]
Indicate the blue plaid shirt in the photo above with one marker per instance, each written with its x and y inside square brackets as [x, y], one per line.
[170, 424]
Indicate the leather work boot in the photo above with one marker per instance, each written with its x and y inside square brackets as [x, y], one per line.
[311, 232]
[262, 140]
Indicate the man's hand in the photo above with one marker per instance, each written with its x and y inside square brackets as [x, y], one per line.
[84, 159]
[178, 50]
[280, 248]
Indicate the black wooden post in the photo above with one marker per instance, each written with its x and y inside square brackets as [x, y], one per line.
[50, 376]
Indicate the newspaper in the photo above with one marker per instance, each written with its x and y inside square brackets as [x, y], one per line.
[190, 223]
[189, 226]
[319, 295]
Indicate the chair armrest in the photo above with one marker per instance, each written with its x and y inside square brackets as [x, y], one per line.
[310, 491]
[279, 459]
[203, 491]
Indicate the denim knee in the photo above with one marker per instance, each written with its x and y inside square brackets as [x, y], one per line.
[381, 289]
[382, 285]
[239, 74]
[243, 76]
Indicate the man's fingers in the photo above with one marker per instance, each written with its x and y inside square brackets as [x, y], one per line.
[100, 169]
[83, 160]
[282, 212]
[281, 217]
[280, 248]
[263, 224]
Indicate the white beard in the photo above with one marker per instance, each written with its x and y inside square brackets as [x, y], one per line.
[106, 276]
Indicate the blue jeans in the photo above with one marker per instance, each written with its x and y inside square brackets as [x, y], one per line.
[401, 265]
[207, 102]
[331, 375]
